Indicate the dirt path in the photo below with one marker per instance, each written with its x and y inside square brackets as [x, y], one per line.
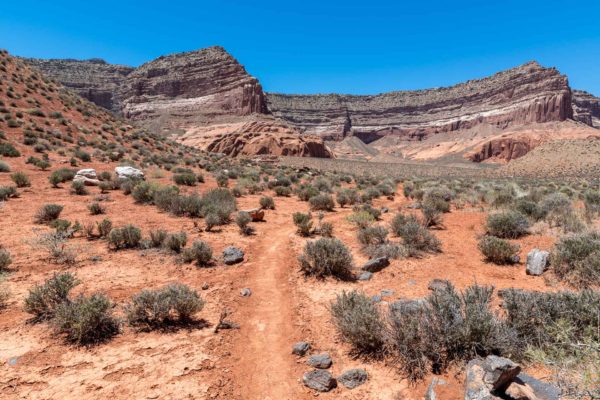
[266, 369]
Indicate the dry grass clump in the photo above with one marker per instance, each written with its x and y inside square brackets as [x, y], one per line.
[499, 251]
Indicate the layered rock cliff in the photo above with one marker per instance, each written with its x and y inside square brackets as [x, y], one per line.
[529, 93]
[94, 79]
[586, 108]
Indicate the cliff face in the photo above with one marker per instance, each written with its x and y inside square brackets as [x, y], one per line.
[94, 79]
[586, 108]
[529, 93]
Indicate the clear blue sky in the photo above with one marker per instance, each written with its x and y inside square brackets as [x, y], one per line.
[323, 46]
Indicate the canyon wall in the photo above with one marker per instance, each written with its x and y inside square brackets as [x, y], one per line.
[586, 108]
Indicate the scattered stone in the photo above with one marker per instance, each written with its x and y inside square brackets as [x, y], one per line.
[438, 284]
[537, 262]
[516, 259]
[387, 292]
[257, 214]
[407, 305]
[205, 286]
[129, 173]
[430, 394]
[300, 348]
[376, 264]
[414, 206]
[232, 255]
[96, 258]
[321, 361]
[319, 380]
[246, 292]
[489, 377]
[353, 378]
[384, 210]
[87, 176]
[542, 390]
[376, 298]
[365, 276]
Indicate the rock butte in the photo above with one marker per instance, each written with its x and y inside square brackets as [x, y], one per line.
[208, 97]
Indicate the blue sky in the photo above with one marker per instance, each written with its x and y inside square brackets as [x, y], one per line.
[323, 46]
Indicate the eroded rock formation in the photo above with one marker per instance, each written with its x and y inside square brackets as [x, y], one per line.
[586, 108]
[529, 93]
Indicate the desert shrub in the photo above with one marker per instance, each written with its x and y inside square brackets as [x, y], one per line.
[7, 192]
[305, 192]
[104, 227]
[576, 259]
[432, 209]
[48, 213]
[166, 198]
[499, 251]
[200, 252]
[127, 237]
[591, 200]
[372, 235]
[188, 179]
[82, 155]
[86, 320]
[358, 321]
[375, 212]
[143, 192]
[4, 167]
[153, 309]
[20, 179]
[78, 188]
[5, 259]
[55, 244]
[528, 208]
[105, 176]
[267, 203]
[222, 179]
[507, 224]
[220, 203]
[96, 208]
[321, 202]
[8, 150]
[554, 203]
[158, 237]
[176, 241]
[326, 229]
[303, 223]
[42, 300]
[326, 257]
[389, 250]
[242, 220]
[361, 219]
[282, 191]
[211, 220]
[415, 236]
[60, 176]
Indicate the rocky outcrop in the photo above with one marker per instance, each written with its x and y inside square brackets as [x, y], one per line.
[529, 93]
[94, 79]
[586, 108]
[257, 136]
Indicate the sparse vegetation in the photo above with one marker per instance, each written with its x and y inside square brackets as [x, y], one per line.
[127, 237]
[507, 224]
[20, 179]
[326, 257]
[499, 251]
[48, 213]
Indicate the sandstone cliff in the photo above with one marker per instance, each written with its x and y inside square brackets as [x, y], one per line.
[94, 79]
[586, 108]
[529, 93]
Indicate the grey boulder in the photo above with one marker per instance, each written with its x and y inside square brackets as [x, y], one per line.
[232, 255]
[537, 262]
[300, 348]
[353, 378]
[87, 176]
[319, 380]
[129, 173]
[438, 284]
[321, 361]
[376, 264]
[365, 276]
[489, 378]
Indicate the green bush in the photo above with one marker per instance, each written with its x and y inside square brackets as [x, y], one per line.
[303, 223]
[7, 192]
[60, 176]
[104, 227]
[176, 241]
[358, 321]
[576, 259]
[200, 252]
[321, 202]
[20, 179]
[499, 251]
[507, 224]
[5, 259]
[267, 203]
[4, 167]
[158, 237]
[415, 236]
[78, 188]
[43, 300]
[362, 219]
[48, 213]
[282, 191]
[242, 220]
[86, 320]
[96, 208]
[188, 179]
[8, 150]
[326, 257]
[127, 237]
[372, 235]
[153, 309]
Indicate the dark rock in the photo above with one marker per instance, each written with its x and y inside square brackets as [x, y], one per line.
[376, 264]
[205, 286]
[542, 390]
[353, 378]
[232, 255]
[319, 380]
[489, 378]
[322, 361]
[365, 276]
[537, 262]
[300, 348]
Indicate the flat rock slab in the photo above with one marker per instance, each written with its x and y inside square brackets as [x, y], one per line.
[321, 361]
[129, 173]
[319, 380]
[376, 264]
[232, 255]
[353, 378]
[300, 348]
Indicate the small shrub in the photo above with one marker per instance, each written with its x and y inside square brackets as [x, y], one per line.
[78, 188]
[372, 235]
[48, 213]
[158, 237]
[188, 179]
[43, 299]
[104, 227]
[8, 150]
[282, 191]
[176, 241]
[127, 237]
[414, 235]
[96, 208]
[60, 176]
[86, 320]
[321, 202]
[242, 220]
[326, 229]
[576, 259]
[20, 179]
[303, 222]
[5, 259]
[153, 309]
[499, 251]
[267, 203]
[507, 225]
[326, 257]
[358, 321]
[7, 192]
[200, 252]
[4, 167]
[362, 219]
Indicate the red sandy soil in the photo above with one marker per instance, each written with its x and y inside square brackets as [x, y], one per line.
[253, 362]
